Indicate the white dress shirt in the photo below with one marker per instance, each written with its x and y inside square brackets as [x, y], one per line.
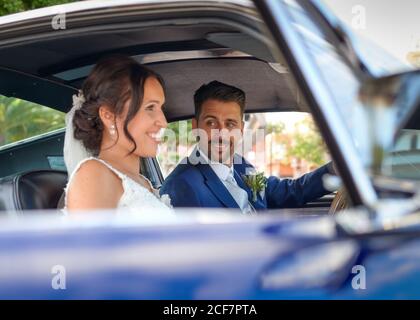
[226, 175]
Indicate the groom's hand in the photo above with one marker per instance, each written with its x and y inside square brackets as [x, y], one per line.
[332, 168]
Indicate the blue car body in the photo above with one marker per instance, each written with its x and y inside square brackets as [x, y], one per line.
[192, 260]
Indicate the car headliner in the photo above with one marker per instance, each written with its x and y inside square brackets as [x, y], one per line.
[190, 55]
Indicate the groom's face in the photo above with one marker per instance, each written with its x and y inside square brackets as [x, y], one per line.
[221, 127]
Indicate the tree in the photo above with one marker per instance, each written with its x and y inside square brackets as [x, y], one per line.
[308, 144]
[277, 128]
[168, 157]
[14, 6]
[21, 119]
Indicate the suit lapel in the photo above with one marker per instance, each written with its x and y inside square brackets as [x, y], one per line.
[216, 186]
[213, 182]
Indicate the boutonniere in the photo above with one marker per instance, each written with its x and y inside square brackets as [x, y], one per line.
[256, 182]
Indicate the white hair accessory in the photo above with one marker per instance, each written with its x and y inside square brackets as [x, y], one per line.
[78, 100]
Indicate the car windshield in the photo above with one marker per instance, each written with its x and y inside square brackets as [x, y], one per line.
[385, 56]
[405, 154]
[386, 47]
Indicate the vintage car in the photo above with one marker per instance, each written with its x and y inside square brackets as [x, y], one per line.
[289, 55]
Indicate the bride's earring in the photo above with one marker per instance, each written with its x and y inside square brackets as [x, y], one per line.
[112, 130]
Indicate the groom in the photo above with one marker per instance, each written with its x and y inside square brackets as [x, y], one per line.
[213, 175]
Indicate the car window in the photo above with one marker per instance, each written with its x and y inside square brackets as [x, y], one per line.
[337, 75]
[364, 22]
[293, 144]
[20, 120]
[404, 160]
[177, 145]
[284, 144]
[331, 65]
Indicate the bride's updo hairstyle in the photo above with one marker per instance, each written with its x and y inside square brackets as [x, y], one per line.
[112, 82]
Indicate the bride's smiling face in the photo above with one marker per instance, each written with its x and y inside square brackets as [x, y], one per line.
[146, 127]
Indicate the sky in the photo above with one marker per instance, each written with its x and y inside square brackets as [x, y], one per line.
[392, 24]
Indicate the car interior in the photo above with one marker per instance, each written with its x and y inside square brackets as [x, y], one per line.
[49, 71]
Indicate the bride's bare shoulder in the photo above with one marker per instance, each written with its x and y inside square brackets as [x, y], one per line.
[94, 185]
[93, 168]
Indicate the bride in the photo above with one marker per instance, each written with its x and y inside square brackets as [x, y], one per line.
[116, 118]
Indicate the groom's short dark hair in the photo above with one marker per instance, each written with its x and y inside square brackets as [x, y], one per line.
[218, 91]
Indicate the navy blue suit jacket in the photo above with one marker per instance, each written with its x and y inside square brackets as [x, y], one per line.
[197, 185]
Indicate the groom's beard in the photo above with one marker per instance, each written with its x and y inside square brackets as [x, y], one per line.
[220, 145]
[221, 150]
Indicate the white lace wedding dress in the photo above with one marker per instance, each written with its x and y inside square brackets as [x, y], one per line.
[135, 199]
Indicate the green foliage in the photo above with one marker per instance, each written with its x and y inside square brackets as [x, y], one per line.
[14, 6]
[177, 128]
[277, 128]
[11, 6]
[33, 4]
[308, 145]
[21, 119]
[181, 129]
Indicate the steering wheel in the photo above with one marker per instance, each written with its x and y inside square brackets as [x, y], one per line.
[340, 202]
